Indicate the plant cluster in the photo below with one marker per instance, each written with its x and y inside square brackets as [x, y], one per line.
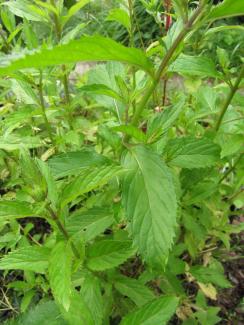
[117, 182]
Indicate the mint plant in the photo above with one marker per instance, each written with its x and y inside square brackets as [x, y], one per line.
[116, 184]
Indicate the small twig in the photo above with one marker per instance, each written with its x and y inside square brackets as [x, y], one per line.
[232, 92]
[231, 169]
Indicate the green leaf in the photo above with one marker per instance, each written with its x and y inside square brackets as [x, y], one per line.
[227, 8]
[89, 223]
[121, 16]
[210, 275]
[150, 204]
[31, 258]
[44, 313]
[100, 89]
[156, 312]
[107, 254]
[14, 142]
[161, 122]
[26, 9]
[72, 163]
[87, 48]
[132, 131]
[78, 313]
[52, 191]
[74, 9]
[189, 152]
[194, 66]
[16, 209]
[134, 289]
[60, 273]
[88, 180]
[91, 292]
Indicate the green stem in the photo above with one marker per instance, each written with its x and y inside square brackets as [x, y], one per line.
[65, 79]
[164, 64]
[232, 92]
[63, 231]
[231, 169]
[43, 109]
[132, 44]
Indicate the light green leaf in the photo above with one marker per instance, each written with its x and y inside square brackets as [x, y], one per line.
[13, 142]
[72, 163]
[44, 313]
[78, 313]
[52, 191]
[31, 258]
[74, 9]
[189, 152]
[89, 223]
[121, 16]
[26, 9]
[227, 8]
[60, 273]
[134, 289]
[131, 131]
[156, 312]
[107, 254]
[16, 209]
[100, 89]
[150, 204]
[210, 275]
[88, 180]
[87, 48]
[91, 293]
[162, 121]
[195, 66]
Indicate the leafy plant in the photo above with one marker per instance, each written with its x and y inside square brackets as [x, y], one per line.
[115, 183]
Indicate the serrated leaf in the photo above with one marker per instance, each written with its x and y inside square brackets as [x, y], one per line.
[13, 142]
[78, 313]
[31, 258]
[157, 312]
[44, 313]
[59, 271]
[121, 16]
[107, 254]
[87, 48]
[100, 89]
[134, 289]
[210, 275]
[74, 9]
[189, 152]
[91, 292]
[72, 163]
[161, 122]
[15, 209]
[132, 131]
[150, 204]
[26, 9]
[194, 66]
[89, 223]
[88, 180]
[227, 8]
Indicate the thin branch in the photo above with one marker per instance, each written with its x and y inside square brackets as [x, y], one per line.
[232, 92]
